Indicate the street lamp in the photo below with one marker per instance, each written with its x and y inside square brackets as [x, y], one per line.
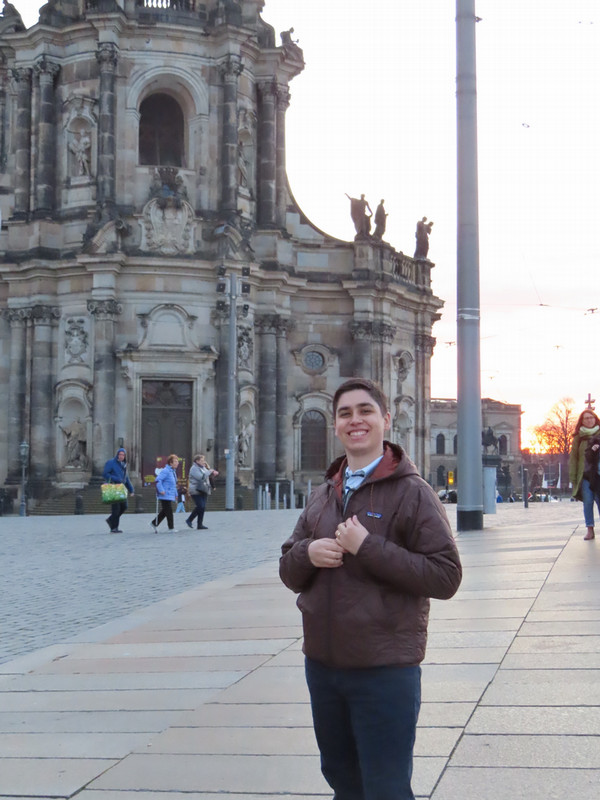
[24, 452]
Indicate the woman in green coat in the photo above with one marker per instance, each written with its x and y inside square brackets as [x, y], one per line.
[582, 464]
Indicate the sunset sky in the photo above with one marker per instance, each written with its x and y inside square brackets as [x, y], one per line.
[374, 112]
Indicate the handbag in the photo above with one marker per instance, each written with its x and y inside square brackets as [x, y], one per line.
[113, 492]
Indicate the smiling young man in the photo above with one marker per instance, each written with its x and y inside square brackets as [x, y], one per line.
[370, 549]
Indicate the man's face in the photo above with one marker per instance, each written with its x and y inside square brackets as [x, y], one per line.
[121, 456]
[360, 426]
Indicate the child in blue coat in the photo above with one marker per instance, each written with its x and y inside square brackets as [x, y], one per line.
[166, 491]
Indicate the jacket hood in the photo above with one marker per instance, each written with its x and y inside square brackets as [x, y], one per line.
[394, 462]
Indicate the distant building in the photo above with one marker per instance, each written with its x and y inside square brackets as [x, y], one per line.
[142, 152]
[504, 420]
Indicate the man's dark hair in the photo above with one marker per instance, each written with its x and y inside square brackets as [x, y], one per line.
[371, 388]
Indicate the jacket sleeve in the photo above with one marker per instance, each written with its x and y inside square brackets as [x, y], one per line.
[159, 481]
[427, 563]
[295, 567]
[574, 460]
[128, 484]
[108, 473]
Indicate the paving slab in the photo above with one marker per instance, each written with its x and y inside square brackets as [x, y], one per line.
[501, 783]
[561, 720]
[56, 777]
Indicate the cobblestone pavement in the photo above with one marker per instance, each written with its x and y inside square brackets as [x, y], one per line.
[65, 575]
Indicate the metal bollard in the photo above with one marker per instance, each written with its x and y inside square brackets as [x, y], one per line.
[78, 504]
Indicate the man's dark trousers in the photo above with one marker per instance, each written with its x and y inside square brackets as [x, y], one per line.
[365, 722]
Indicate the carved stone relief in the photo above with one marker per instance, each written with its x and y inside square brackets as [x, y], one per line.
[76, 341]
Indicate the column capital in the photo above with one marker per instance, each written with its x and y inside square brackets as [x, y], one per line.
[21, 74]
[107, 56]
[372, 330]
[425, 343]
[17, 316]
[266, 87]
[104, 309]
[44, 68]
[231, 68]
[283, 96]
[45, 315]
[267, 323]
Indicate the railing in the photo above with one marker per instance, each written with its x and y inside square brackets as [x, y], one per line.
[192, 7]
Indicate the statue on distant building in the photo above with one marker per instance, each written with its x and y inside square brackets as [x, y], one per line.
[422, 237]
[380, 221]
[75, 445]
[80, 146]
[286, 38]
[360, 218]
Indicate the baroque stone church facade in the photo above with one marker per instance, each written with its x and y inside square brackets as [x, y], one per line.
[142, 157]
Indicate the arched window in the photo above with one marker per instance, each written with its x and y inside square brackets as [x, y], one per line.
[455, 444]
[441, 476]
[161, 131]
[313, 442]
[502, 445]
[440, 444]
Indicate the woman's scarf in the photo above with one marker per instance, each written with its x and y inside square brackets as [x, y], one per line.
[589, 431]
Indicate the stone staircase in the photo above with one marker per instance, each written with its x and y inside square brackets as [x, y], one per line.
[65, 501]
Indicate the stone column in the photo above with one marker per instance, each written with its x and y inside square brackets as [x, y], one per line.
[221, 317]
[230, 71]
[382, 337]
[107, 57]
[105, 313]
[283, 360]
[283, 101]
[266, 183]
[22, 78]
[42, 394]
[45, 173]
[3, 127]
[362, 333]
[266, 326]
[18, 319]
[424, 344]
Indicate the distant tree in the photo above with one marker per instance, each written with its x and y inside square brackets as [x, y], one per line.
[554, 435]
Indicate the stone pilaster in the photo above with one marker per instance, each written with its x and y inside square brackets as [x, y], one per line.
[283, 101]
[107, 57]
[230, 70]
[221, 318]
[44, 319]
[361, 333]
[283, 360]
[424, 344]
[267, 158]
[45, 173]
[22, 78]
[17, 378]
[266, 462]
[105, 313]
[371, 343]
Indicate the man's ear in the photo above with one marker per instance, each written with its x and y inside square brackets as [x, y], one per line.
[387, 421]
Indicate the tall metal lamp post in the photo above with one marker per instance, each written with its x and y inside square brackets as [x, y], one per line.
[23, 452]
[230, 453]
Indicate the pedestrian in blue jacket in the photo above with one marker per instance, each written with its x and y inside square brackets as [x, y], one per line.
[115, 471]
[166, 491]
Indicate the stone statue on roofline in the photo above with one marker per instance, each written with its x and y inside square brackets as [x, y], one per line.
[422, 237]
[360, 218]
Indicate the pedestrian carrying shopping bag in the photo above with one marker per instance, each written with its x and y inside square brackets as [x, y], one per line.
[113, 492]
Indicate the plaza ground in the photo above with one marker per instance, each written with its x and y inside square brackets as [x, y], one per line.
[191, 684]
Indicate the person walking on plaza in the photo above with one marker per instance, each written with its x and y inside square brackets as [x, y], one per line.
[371, 547]
[115, 471]
[199, 487]
[166, 491]
[583, 466]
